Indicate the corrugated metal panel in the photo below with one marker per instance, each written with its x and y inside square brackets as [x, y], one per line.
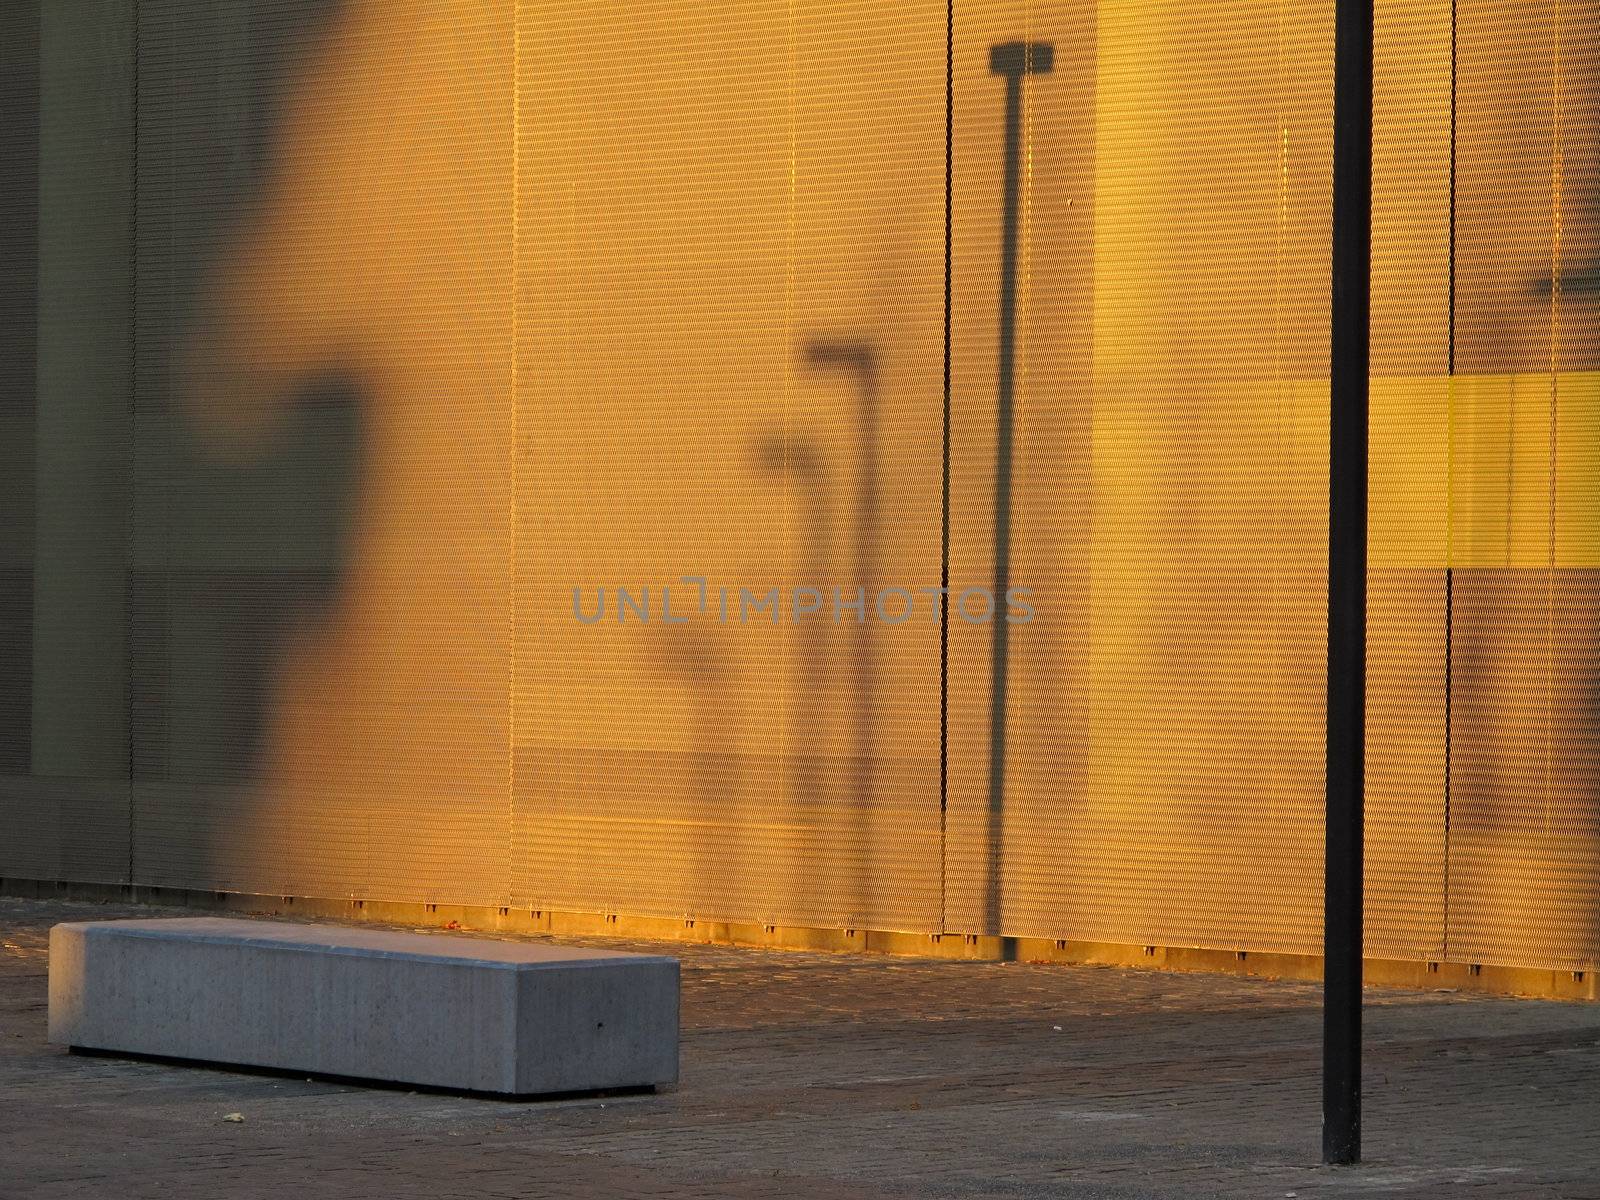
[1523, 824]
[1409, 474]
[68, 695]
[1524, 801]
[63, 828]
[400, 321]
[82, 434]
[1186, 802]
[224, 558]
[729, 362]
[19, 294]
[353, 413]
[1016, 862]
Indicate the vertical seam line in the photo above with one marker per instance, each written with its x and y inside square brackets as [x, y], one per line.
[1449, 520]
[944, 511]
[129, 581]
[516, 306]
[1558, 166]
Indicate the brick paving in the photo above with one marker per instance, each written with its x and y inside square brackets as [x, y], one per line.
[853, 1076]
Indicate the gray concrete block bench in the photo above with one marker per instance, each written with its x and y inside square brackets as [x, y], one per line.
[518, 1018]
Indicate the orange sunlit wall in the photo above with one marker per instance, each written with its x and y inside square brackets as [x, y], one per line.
[529, 311]
[598, 283]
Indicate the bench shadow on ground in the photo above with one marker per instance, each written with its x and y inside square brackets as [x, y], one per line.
[382, 1085]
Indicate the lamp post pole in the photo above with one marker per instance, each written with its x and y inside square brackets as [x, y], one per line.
[1347, 579]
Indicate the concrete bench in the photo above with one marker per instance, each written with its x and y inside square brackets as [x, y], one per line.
[517, 1018]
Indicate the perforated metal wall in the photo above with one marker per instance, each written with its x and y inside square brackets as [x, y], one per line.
[1171, 434]
[356, 353]
[729, 362]
[1524, 800]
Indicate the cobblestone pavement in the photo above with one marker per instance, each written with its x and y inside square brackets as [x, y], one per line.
[833, 1076]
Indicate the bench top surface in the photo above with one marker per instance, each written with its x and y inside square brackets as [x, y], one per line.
[345, 939]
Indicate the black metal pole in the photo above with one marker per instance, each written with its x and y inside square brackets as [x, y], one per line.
[1347, 579]
[1013, 60]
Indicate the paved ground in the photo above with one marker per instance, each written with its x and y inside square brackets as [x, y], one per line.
[830, 1076]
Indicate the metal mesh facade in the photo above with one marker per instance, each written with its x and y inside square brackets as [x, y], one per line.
[441, 445]
[729, 358]
[1164, 758]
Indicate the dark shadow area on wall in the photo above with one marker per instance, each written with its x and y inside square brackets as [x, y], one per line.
[858, 361]
[19, 281]
[241, 555]
[149, 579]
[694, 657]
[227, 554]
[1522, 807]
[802, 462]
[230, 553]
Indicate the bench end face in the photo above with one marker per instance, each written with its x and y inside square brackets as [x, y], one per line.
[67, 1010]
[595, 1029]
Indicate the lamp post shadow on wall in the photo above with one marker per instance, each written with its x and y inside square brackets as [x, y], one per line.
[860, 360]
[1013, 61]
[803, 461]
